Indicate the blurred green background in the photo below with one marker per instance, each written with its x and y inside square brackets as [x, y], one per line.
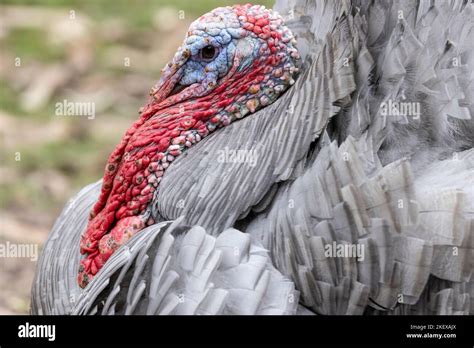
[109, 52]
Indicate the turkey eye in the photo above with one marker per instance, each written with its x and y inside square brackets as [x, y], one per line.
[208, 52]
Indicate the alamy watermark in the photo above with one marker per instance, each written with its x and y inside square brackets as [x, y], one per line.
[28, 330]
[69, 108]
[237, 156]
[345, 250]
[401, 108]
[14, 250]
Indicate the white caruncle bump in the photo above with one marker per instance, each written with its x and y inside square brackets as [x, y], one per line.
[174, 147]
[245, 47]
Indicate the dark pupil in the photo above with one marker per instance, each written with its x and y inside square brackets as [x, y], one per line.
[208, 52]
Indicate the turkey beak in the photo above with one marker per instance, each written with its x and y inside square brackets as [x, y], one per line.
[168, 84]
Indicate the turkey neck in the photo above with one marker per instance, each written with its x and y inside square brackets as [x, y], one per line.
[134, 170]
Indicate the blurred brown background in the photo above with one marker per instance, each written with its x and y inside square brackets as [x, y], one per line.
[107, 52]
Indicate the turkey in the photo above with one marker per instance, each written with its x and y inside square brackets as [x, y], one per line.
[312, 159]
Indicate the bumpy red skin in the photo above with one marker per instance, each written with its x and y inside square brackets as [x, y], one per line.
[166, 127]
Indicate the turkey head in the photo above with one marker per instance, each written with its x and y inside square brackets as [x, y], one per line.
[233, 61]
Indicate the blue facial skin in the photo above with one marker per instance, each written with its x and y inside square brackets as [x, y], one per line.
[198, 69]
